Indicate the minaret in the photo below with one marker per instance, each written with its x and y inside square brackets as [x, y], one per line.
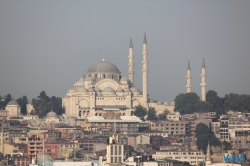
[131, 63]
[203, 81]
[188, 86]
[208, 155]
[144, 71]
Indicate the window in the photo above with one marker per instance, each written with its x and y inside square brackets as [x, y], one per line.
[115, 150]
[115, 159]
[120, 150]
[112, 160]
[111, 150]
[120, 160]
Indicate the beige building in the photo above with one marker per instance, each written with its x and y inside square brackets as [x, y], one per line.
[104, 86]
[13, 108]
[193, 157]
[115, 151]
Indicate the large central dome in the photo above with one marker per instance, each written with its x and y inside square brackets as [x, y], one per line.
[104, 66]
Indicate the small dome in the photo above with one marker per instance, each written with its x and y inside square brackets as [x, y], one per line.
[91, 89]
[30, 101]
[51, 114]
[70, 90]
[127, 90]
[119, 89]
[135, 90]
[80, 82]
[151, 100]
[33, 123]
[172, 103]
[13, 102]
[159, 103]
[108, 89]
[166, 103]
[97, 89]
[82, 89]
[124, 79]
[89, 79]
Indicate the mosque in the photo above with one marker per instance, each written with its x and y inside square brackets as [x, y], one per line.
[103, 88]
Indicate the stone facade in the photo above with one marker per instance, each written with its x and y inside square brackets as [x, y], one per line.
[103, 86]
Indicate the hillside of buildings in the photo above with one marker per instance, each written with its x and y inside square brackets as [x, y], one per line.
[37, 130]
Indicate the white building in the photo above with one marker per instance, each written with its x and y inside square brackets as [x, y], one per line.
[104, 86]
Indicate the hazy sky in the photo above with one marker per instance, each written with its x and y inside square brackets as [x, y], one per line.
[49, 45]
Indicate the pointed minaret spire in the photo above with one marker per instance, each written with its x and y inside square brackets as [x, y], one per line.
[131, 43]
[130, 62]
[145, 72]
[145, 39]
[189, 67]
[188, 86]
[203, 63]
[203, 81]
[208, 155]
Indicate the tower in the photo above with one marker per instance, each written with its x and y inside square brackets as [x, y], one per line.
[115, 155]
[208, 155]
[188, 86]
[131, 63]
[203, 81]
[144, 70]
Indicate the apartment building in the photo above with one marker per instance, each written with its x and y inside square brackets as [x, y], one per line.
[171, 127]
[193, 157]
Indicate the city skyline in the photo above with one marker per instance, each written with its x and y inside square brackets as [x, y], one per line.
[49, 45]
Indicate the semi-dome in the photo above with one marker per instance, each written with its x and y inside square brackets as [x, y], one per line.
[127, 90]
[80, 82]
[119, 89]
[13, 102]
[104, 66]
[124, 79]
[51, 114]
[82, 89]
[91, 89]
[108, 89]
[97, 89]
[135, 90]
[89, 79]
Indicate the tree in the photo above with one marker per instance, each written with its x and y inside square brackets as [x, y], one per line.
[151, 114]
[44, 96]
[203, 135]
[211, 97]
[231, 102]
[75, 154]
[140, 111]
[163, 116]
[185, 102]
[227, 145]
[202, 106]
[22, 101]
